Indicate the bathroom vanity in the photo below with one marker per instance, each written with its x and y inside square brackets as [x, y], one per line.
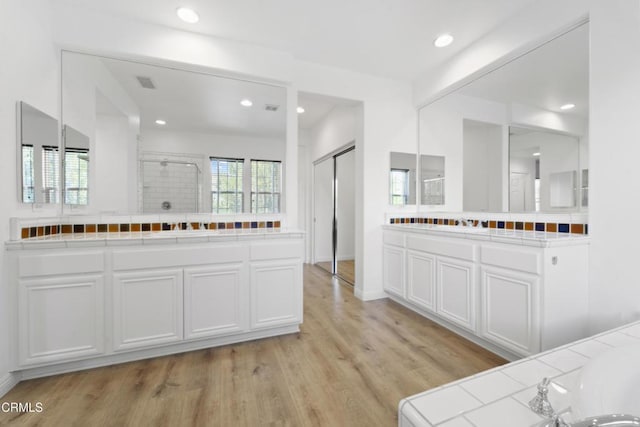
[514, 292]
[86, 300]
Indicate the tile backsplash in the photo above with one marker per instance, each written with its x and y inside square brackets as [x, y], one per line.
[25, 228]
[559, 225]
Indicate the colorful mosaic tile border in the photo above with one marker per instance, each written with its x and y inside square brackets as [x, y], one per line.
[49, 230]
[549, 227]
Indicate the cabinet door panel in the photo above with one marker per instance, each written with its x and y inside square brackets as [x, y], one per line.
[147, 308]
[456, 291]
[393, 270]
[60, 319]
[421, 279]
[509, 310]
[276, 293]
[213, 301]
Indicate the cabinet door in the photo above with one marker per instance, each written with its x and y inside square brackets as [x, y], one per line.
[147, 308]
[509, 309]
[213, 301]
[456, 291]
[393, 270]
[276, 293]
[421, 279]
[60, 318]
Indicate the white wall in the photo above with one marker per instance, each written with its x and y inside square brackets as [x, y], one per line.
[614, 149]
[30, 73]
[613, 131]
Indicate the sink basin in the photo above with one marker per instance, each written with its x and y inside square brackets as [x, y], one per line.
[609, 384]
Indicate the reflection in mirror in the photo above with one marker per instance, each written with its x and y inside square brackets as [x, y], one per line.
[402, 179]
[161, 138]
[40, 157]
[76, 167]
[542, 170]
[431, 180]
[471, 128]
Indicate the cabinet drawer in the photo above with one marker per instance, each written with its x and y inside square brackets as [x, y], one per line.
[393, 238]
[460, 250]
[276, 250]
[511, 258]
[66, 263]
[138, 259]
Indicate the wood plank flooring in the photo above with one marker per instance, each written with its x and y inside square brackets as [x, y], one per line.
[350, 365]
[346, 269]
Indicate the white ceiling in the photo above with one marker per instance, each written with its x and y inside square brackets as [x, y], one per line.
[390, 38]
[317, 107]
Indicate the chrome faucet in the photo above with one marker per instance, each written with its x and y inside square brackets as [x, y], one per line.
[540, 405]
[464, 222]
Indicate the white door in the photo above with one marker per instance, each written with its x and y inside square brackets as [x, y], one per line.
[509, 311]
[60, 318]
[421, 279]
[276, 293]
[147, 308]
[213, 299]
[517, 191]
[456, 291]
[323, 212]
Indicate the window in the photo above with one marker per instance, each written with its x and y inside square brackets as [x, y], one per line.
[50, 173]
[265, 186]
[226, 185]
[28, 195]
[76, 176]
[399, 186]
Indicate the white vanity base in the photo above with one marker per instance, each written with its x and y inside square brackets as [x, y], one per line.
[153, 352]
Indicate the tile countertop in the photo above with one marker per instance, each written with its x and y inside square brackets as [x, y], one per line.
[499, 397]
[149, 238]
[519, 237]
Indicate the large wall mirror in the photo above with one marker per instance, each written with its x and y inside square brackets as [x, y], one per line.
[516, 139]
[142, 138]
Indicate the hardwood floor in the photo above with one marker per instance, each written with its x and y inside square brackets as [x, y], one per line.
[346, 269]
[350, 365]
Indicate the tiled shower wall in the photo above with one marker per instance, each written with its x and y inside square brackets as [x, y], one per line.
[170, 187]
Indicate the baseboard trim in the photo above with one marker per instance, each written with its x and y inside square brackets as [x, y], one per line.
[465, 334]
[8, 381]
[369, 296]
[130, 356]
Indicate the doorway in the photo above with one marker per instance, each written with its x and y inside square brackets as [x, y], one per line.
[334, 214]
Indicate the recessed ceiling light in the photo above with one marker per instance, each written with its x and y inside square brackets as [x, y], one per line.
[536, 154]
[567, 106]
[300, 110]
[443, 40]
[161, 122]
[246, 103]
[187, 15]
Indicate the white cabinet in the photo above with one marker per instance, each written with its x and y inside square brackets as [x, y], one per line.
[509, 307]
[60, 318]
[456, 291]
[147, 308]
[421, 279]
[276, 297]
[516, 299]
[393, 270]
[213, 301]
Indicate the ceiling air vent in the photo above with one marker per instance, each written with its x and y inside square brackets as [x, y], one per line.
[271, 107]
[146, 82]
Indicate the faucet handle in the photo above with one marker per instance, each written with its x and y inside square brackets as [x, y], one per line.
[540, 403]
